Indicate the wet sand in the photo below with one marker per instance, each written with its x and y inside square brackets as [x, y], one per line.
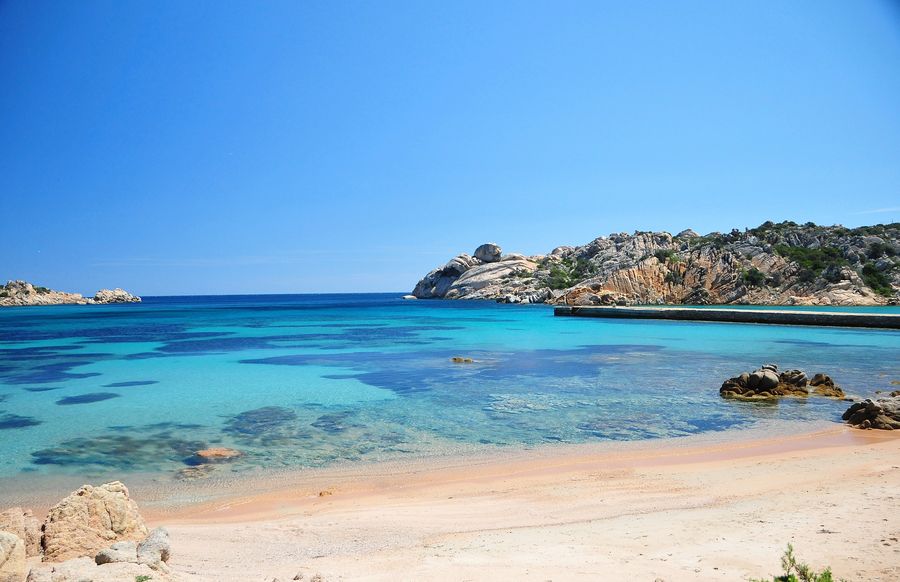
[670, 509]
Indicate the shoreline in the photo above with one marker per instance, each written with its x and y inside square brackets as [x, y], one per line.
[161, 497]
[678, 512]
[299, 488]
[703, 507]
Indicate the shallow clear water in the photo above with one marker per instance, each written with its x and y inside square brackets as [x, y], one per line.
[310, 380]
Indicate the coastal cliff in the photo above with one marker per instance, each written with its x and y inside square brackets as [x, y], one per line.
[773, 264]
[21, 293]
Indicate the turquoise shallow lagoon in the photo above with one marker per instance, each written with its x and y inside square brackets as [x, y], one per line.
[313, 380]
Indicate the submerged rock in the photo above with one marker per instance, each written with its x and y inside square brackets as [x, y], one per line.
[883, 414]
[89, 519]
[216, 455]
[259, 420]
[194, 473]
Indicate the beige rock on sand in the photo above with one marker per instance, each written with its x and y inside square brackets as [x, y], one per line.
[91, 519]
[12, 558]
[84, 569]
[24, 524]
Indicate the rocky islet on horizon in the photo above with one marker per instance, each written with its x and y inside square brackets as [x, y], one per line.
[22, 293]
[773, 264]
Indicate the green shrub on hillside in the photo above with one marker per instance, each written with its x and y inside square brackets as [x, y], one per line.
[880, 249]
[876, 280]
[666, 256]
[753, 278]
[569, 272]
[815, 260]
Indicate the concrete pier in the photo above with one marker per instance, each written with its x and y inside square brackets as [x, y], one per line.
[770, 316]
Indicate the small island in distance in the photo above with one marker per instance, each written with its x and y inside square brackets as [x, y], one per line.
[22, 293]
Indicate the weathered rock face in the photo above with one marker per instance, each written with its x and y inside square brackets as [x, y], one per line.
[155, 549]
[778, 264]
[882, 414]
[22, 523]
[766, 383]
[488, 275]
[89, 520]
[13, 567]
[21, 293]
[115, 296]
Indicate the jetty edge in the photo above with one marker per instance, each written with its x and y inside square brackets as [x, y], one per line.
[765, 316]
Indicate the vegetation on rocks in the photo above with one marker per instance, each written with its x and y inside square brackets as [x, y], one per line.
[876, 280]
[813, 259]
[782, 263]
[568, 272]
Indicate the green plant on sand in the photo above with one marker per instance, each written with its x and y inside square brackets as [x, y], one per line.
[142, 578]
[795, 571]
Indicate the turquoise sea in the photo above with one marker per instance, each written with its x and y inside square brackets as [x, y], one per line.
[312, 380]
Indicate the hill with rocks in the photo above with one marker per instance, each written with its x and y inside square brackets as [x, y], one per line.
[773, 264]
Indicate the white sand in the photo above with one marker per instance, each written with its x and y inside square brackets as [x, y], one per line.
[720, 512]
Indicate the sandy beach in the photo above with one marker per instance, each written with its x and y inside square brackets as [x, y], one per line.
[658, 511]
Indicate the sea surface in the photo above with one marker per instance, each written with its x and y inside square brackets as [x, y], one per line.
[303, 381]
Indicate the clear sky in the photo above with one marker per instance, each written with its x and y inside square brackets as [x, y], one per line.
[249, 147]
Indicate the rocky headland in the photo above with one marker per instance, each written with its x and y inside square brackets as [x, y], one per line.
[772, 264]
[22, 293]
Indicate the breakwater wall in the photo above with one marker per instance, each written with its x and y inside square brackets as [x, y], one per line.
[769, 316]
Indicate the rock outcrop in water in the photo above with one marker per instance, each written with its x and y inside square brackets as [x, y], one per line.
[21, 293]
[778, 264]
[767, 383]
[883, 414]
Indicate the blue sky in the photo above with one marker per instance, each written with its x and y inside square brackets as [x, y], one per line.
[227, 147]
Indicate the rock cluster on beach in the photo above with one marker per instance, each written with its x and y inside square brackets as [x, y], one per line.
[95, 533]
[767, 383]
[21, 293]
[773, 264]
[883, 414]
